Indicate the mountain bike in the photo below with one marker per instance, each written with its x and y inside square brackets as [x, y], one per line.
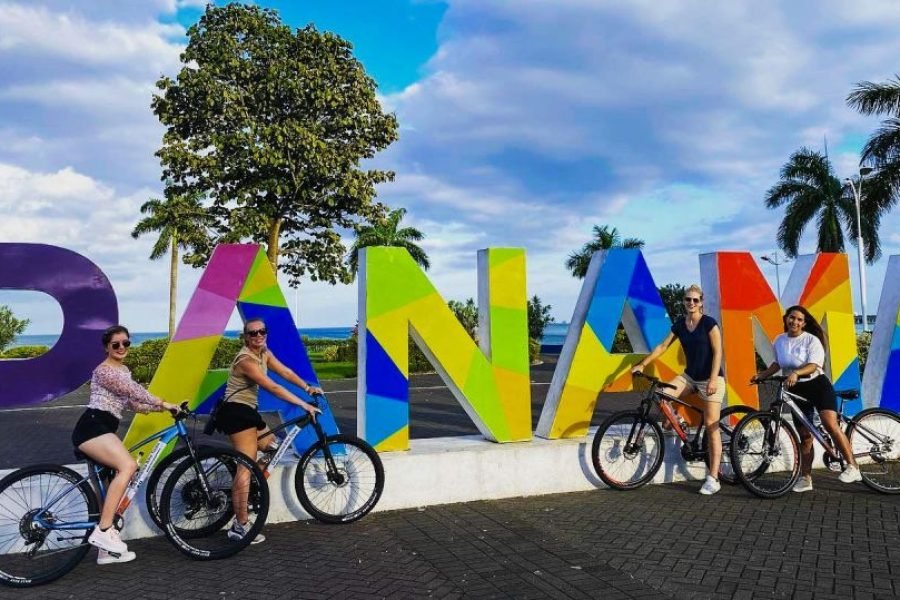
[767, 462]
[339, 479]
[47, 512]
[628, 447]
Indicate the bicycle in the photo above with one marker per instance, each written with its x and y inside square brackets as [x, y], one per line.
[628, 447]
[47, 512]
[339, 479]
[767, 461]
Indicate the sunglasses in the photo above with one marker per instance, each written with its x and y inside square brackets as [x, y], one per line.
[117, 345]
[255, 332]
[690, 300]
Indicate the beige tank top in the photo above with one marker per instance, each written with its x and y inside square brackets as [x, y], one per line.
[241, 388]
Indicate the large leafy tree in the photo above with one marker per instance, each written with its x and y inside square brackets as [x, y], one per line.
[605, 238]
[672, 295]
[882, 151]
[272, 125]
[467, 314]
[809, 190]
[10, 327]
[387, 232]
[182, 223]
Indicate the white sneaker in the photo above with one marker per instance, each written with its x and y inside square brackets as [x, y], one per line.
[105, 558]
[804, 484]
[850, 475]
[108, 540]
[238, 531]
[710, 486]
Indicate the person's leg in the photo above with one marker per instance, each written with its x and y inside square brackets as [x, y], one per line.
[806, 451]
[108, 450]
[712, 412]
[682, 388]
[245, 443]
[830, 421]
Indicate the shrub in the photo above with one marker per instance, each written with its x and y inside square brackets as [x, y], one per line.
[863, 341]
[24, 352]
[330, 353]
[225, 353]
[144, 359]
[534, 350]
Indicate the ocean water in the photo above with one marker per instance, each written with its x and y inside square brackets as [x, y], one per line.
[332, 333]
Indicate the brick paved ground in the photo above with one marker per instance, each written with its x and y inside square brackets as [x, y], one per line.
[838, 542]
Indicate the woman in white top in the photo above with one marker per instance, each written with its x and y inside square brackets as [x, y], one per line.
[800, 352]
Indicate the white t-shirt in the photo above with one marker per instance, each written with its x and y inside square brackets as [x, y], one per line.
[794, 352]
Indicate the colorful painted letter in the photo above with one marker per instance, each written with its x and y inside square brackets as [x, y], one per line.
[618, 288]
[88, 306]
[881, 382]
[237, 275]
[397, 300]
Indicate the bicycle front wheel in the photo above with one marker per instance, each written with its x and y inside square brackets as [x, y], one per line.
[874, 436]
[627, 450]
[197, 503]
[31, 553]
[340, 480]
[728, 420]
[766, 458]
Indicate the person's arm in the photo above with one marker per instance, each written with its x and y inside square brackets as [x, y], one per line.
[121, 384]
[639, 368]
[252, 371]
[715, 341]
[768, 372]
[287, 373]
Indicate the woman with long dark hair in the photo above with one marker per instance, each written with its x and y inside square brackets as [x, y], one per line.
[800, 353]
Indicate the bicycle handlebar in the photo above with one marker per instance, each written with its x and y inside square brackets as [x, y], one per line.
[654, 380]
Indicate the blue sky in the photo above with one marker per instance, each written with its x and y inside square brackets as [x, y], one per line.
[522, 124]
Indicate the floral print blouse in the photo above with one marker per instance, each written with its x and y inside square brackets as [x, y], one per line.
[113, 389]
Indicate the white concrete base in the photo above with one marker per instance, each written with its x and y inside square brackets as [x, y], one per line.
[461, 469]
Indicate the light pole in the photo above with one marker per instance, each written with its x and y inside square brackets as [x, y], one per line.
[773, 259]
[857, 196]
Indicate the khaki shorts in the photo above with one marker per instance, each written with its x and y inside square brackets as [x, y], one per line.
[699, 387]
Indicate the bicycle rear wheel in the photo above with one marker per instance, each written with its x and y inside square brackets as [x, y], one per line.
[767, 459]
[874, 436]
[728, 420]
[340, 480]
[627, 450]
[32, 554]
[196, 503]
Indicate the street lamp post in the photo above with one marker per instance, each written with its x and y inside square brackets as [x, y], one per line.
[857, 196]
[773, 259]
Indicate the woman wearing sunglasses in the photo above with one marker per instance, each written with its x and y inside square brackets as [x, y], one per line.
[112, 390]
[701, 340]
[239, 418]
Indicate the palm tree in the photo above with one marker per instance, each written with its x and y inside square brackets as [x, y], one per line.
[809, 189]
[605, 237]
[882, 151]
[386, 232]
[182, 222]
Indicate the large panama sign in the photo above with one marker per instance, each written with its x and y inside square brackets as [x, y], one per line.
[490, 379]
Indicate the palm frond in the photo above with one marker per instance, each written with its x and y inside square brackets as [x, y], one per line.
[871, 98]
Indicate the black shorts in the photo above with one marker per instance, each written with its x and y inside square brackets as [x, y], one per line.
[233, 417]
[819, 395]
[94, 423]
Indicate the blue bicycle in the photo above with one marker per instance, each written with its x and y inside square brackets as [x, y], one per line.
[47, 512]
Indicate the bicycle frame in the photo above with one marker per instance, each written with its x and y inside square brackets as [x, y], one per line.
[296, 424]
[164, 438]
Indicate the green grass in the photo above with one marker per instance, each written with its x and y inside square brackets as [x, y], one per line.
[333, 370]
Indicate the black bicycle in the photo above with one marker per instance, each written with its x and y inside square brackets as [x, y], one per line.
[339, 479]
[628, 447]
[47, 512]
[767, 461]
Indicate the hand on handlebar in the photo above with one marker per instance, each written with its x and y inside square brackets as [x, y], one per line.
[637, 370]
[314, 390]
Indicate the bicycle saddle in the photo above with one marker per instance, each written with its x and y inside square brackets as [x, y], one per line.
[847, 394]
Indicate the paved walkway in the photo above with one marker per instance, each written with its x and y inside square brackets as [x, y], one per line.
[838, 542]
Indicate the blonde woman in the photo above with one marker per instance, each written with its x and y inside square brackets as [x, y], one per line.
[701, 340]
[239, 418]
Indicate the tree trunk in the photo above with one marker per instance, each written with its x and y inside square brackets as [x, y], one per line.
[173, 284]
[274, 234]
